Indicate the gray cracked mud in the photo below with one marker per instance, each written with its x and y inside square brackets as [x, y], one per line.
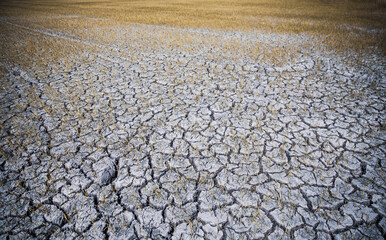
[174, 144]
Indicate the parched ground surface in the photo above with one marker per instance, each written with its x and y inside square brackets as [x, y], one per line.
[172, 133]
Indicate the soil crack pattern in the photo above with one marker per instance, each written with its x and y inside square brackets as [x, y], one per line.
[179, 133]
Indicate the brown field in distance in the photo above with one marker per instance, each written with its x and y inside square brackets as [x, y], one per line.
[214, 13]
[350, 27]
[347, 24]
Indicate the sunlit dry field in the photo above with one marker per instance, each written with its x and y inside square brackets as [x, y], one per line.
[192, 119]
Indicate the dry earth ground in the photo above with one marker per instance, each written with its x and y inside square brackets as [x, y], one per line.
[115, 130]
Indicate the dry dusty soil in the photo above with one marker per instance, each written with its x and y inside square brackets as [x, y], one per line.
[134, 142]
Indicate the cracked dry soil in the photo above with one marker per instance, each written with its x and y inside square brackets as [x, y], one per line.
[167, 143]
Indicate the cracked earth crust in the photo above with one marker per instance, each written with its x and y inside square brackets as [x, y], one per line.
[134, 142]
